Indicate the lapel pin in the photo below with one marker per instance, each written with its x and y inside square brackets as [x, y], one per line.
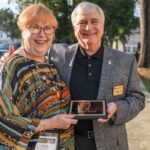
[109, 62]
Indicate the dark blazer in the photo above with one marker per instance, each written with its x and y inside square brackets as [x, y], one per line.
[119, 82]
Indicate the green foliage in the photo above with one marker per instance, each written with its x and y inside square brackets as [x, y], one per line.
[119, 16]
[146, 83]
[9, 23]
[62, 11]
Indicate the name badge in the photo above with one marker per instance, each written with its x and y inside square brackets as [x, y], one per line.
[47, 141]
[118, 90]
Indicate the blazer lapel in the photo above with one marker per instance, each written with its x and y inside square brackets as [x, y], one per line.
[104, 90]
[69, 59]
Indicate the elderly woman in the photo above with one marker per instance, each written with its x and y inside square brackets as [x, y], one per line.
[33, 98]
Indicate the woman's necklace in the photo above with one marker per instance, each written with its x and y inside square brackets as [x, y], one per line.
[42, 59]
[38, 70]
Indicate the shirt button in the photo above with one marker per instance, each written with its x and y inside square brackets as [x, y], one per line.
[90, 74]
[89, 57]
[89, 65]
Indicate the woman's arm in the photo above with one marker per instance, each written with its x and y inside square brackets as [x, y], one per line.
[16, 130]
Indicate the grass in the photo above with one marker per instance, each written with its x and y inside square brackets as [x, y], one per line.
[145, 75]
[146, 83]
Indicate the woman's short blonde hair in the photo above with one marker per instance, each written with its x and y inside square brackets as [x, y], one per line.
[35, 13]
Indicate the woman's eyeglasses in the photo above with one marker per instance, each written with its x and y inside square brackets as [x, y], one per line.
[35, 29]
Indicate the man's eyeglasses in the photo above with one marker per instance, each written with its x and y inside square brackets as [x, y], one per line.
[35, 29]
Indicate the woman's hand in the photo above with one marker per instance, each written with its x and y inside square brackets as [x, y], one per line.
[61, 121]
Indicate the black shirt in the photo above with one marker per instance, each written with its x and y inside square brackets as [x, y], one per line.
[84, 82]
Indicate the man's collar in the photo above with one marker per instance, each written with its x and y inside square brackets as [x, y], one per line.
[82, 54]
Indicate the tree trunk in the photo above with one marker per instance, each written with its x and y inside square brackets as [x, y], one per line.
[144, 60]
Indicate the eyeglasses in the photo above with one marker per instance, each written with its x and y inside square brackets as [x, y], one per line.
[35, 29]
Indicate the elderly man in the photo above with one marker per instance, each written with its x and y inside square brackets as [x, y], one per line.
[94, 71]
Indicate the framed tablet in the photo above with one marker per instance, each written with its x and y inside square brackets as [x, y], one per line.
[88, 109]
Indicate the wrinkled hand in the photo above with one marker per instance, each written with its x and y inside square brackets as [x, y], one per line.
[61, 121]
[10, 51]
[111, 110]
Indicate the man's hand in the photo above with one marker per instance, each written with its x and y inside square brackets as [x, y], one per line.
[10, 51]
[111, 110]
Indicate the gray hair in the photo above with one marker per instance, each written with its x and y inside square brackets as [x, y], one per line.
[86, 7]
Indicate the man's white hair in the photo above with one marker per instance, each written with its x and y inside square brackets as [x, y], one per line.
[86, 7]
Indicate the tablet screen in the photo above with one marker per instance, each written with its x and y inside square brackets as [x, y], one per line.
[88, 108]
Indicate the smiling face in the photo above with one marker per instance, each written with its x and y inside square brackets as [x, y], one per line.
[37, 25]
[37, 45]
[89, 29]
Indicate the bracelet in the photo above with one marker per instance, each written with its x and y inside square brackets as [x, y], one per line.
[43, 124]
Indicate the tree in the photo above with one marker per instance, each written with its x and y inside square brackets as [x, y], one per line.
[120, 19]
[144, 60]
[62, 11]
[8, 23]
[119, 14]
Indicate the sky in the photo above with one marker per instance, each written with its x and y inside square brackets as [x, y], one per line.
[4, 4]
[137, 11]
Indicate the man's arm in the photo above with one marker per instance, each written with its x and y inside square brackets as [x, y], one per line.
[123, 110]
[134, 100]
[10, 51]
